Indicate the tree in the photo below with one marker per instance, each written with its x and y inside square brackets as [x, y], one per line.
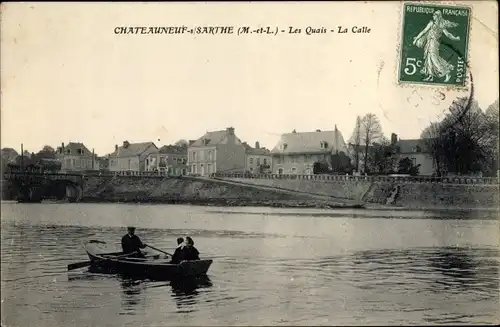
[381, 157]
[492, 126]
[182, 143]
[465, 140]
[320, 167]
[355, 143]
[406, 166]
[48, 148]
[341, 163]
[371, 132]
[47, 152]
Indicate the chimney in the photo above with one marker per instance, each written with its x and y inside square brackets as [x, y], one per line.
[191, 141]
[318, 130]
[230, 130]
[116, 147]
[125, 144]
[294, 131]
[62, 147]
[394, 138]
[257, 145]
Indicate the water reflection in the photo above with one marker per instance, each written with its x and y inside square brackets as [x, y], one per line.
[462, 272]
[131, 294]
[185, 291]
[429, 270]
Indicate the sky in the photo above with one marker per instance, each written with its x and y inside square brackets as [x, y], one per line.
[65, 75]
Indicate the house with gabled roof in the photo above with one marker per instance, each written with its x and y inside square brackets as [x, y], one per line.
[75, 156]
[217, 151]
[170, 159]
[299, 153]
[417, 151]
[258, 159]
[131, 156]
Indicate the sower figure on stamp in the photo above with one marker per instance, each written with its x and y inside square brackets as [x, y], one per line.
[430, 39]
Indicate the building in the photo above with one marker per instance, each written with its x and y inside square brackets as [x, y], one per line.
[170, 159]
[300, 153]
[131, 156]
[218, 151]
[416, 150]
[75, 156]
[258, 160]
[103, 163]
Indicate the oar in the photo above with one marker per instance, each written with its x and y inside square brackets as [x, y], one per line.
[76, 265]
[158, 249]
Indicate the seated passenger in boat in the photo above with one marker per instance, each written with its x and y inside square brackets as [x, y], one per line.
[132, 243]
[177, 257]
[189, 251]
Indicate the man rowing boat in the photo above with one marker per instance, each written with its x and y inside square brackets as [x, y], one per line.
[132, 244]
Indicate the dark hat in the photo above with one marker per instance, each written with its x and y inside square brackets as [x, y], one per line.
[131, 227]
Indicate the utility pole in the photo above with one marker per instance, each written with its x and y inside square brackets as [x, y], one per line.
[22, 157]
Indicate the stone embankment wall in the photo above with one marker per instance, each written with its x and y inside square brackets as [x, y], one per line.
[409, 192]
[174, 189]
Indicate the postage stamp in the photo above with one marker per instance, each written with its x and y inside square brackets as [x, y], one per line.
[434, 44]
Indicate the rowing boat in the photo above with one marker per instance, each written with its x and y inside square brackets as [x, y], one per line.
[149, 267]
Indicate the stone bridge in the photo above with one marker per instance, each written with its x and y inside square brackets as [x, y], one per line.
[35, 186]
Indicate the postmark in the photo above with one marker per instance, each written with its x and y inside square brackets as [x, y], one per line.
[434, 44]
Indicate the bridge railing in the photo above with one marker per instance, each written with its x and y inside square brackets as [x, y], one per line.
[68, 175]
[339, 178]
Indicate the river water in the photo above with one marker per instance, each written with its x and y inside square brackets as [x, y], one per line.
[271, 266]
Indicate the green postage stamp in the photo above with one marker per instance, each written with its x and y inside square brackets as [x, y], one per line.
[434, 44]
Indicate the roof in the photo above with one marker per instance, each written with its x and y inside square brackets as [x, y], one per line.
[9, 152]
[310, 142]
[173, 149]
[74, 147]
[408, 146]
[132, 149]
[213, 138]
[260, 151]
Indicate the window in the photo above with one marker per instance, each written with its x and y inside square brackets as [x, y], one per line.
[414, 161]
[284, 146]
[210, 155]
[265, 161]
[308, 157]
[163, 162]
[193, 168]
[293, 159]
[68, 151]
[209, 167]
[147, 162]
[294, 170]
[251, 161]
[280, 171]
[258, 161]
[193, 156]
[324, 145]
[278, 160]
[183, 161]
[251, 169]
[417, 149]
